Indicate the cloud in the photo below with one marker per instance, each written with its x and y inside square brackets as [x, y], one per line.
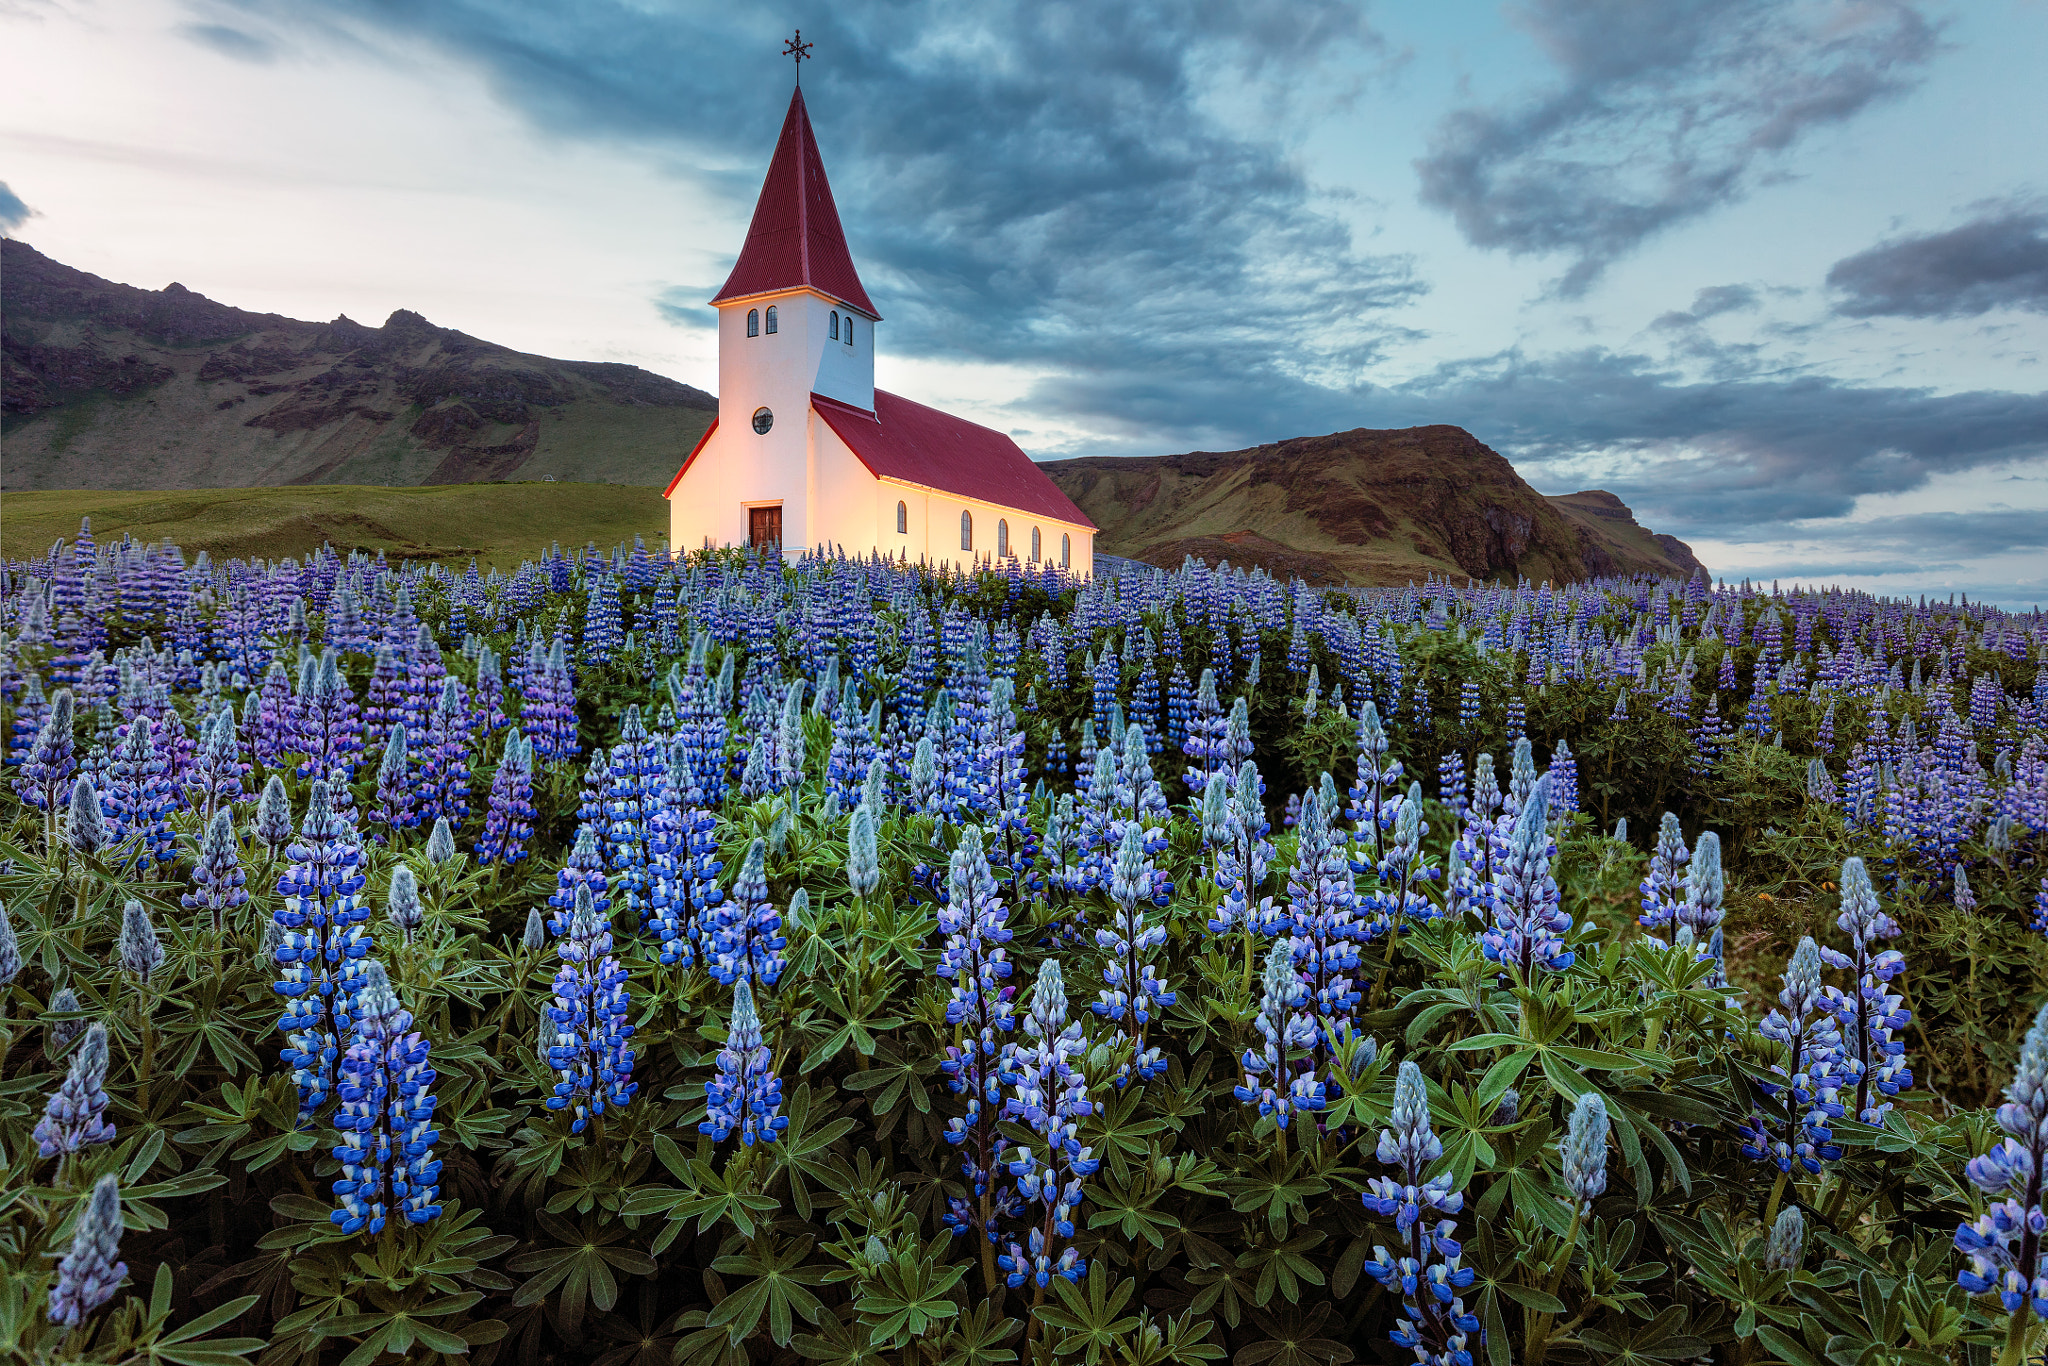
[13, 213]
[1710, 303]
[1032, 183]
[1662, 113]
[1998, 259]
[230, 42]
[685, 306]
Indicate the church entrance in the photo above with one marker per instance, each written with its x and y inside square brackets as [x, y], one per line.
[764, 527]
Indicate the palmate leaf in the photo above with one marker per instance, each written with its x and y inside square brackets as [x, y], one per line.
[976, 1338]
[910, 1293]
[778, 1288]
[578, 1270]
[1090, 1320]
[1296, 1340]
[804, 1149]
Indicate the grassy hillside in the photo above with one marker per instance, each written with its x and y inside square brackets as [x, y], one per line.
[1361, 507]
[498, 524]
[110, 386]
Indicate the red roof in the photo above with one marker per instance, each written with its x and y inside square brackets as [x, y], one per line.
[935, 450]
[670, 491]
[795, 239]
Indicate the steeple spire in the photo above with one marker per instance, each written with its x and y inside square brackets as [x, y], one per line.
[795, 240]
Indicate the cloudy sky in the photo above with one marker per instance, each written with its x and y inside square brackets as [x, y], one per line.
[1774, 271]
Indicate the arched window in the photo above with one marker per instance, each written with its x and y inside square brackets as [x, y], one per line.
[1066, 551]
[835, 324]
[1002, 537]
[902, 518]
[1034, 545]
[849, 329]
[966, 529]
[754, 322]
[771, 320]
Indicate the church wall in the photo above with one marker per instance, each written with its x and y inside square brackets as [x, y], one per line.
[934, 535]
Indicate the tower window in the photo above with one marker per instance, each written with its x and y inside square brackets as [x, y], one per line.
[902, 518]
[1002, 537]
[835, 324]
[771, 320]
[1034, 545]
[753, 322]
[1066, 551]
[849, 329]
[966, 530]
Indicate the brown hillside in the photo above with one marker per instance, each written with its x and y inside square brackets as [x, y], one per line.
[1361, 507]
[111, 386]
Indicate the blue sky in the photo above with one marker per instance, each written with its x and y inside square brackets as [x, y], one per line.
[1774, 271]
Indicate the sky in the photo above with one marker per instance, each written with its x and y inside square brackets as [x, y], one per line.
[1773, 271]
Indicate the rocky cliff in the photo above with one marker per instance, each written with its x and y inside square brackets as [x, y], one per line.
[110, 386]
[1362, 507]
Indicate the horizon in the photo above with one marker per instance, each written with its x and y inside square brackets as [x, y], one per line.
[1775, 276]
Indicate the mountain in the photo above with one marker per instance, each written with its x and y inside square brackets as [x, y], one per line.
[110, 386]
[1362, 507]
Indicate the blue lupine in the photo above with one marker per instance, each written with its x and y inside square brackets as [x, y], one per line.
[744, 1094]
[1873, 1018]
[588, 1049]
[1705, 887]
[1661, 884]
[1135, 991]
[2004, 1243]
[1426, 1273]
[385, 1115]
[321, 951]
[51, 761]
[397, 796]
[1786, 1246]
[1322, 904]
[1583, 1150]
[1050, 1099]
[1807, 1101]
[140, 796]
[74, 1118]
[1208, 738]
[1529, 924]
[89, 1274]
[1270, 1082]
[402, 905]
[218, 883]
[973, 959]
[509, 812]
[744, 931]
[137, 947]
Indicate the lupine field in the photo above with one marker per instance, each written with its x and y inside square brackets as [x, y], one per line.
[721, 960]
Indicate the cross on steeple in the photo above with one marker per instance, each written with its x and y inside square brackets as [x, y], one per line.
[799, 49]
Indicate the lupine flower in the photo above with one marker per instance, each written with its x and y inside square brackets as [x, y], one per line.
[1786, 1246]
[386, 1116]
[1135, 991]
[325, 939]
[1426, 1275]
[1528, 923]
[47, 768]
[1964, 899]
[10, 950]
[745, 1094]
[744, 929]
[139, 950]
[1872, 1017]
[2004, 1243]
[1799, 1131]
[440, 842]
[1583, 1150]
[402, 904]
[863, 854]
[1705, 887]
[1051, 1098]
[62, 1032]
[589, 1011]
[140, 796]
[535, 936]
[397, 795]
[273, 828]
[1269, 1081]
[89, 1274]
[74, 1118]
[510, 813]
[218, 883]
[1322, 903]
[86, 830]
[973, 921]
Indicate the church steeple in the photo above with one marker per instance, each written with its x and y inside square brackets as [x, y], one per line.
[795, 240]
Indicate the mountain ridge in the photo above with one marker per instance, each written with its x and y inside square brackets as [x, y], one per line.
[109, 385]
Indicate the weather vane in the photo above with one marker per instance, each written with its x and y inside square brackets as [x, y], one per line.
[796, 47]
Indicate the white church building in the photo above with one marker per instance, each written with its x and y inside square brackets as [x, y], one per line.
[806, 452]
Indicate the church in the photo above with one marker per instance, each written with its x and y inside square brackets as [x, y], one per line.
[807, 453]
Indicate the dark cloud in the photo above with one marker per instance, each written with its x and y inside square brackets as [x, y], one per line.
[684, 306]
[1033, 182]
[13, 213]
[230, 42]
[1999, 259]
[1709, 303]
[1662, 112]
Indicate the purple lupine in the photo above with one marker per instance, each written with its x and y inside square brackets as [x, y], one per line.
[397, 807]
[1322, 916]
[218, 883]
[509, 814]
[321, 950]
[89, 1274]
[588, 1045]
[1135, 991]
[2004, 1243]
[973, 920]
[385, 1115]
[744, 932]
[140, 797]
[1207, 745]
[549, 713]
[1426, 1272]
[1872, 1017]
[1808, 1098]
[74, 1118]
[443, 772]
[1050, 1099]
[215, 778]
[326, 722]
[744, 1094]
[1529, 924]
[584, 867]
[47, 768]
[1270, 1080]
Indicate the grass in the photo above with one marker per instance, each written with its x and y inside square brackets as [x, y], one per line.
[497, 524]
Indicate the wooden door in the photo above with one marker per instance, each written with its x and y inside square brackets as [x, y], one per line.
[764, 527]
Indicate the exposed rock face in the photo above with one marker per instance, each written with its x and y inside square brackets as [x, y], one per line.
[1364, 507]
[110, 386]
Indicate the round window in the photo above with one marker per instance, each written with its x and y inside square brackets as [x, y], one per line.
[763, 420]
